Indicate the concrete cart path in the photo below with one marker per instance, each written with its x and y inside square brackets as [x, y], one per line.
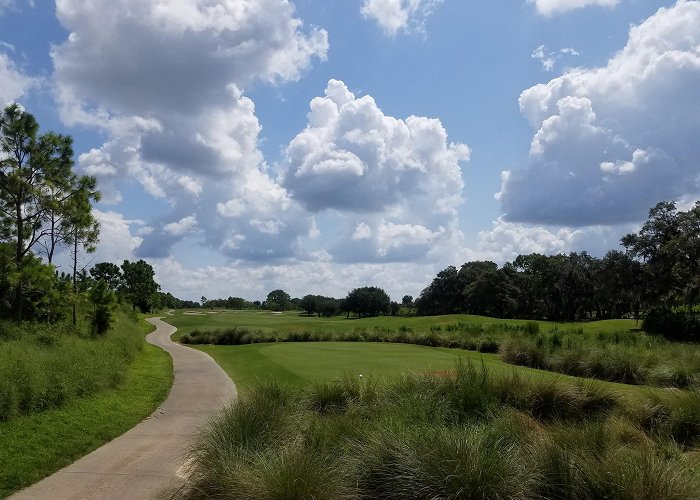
[149, 460]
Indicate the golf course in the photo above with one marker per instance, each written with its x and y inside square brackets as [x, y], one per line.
[381, 408]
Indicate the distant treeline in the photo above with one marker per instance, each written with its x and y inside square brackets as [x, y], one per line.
[659, 274]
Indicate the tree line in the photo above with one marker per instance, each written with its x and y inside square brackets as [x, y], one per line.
[658, 273]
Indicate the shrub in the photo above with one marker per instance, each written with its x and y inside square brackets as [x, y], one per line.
[680, 324]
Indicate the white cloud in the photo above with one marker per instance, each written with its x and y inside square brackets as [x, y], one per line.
[612, 141]
[362, 232]
[380, 175]
[399, 15]
[164, 80]
[183, 226]
[14, 83]
[116, 241]
[506, 240]
[548, 58]
[550, 7]
[297, 279]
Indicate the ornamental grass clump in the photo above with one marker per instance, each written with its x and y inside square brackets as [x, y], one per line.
[469, 433]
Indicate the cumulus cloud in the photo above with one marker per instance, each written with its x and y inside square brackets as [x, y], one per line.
[14, 83]
[297, 279]
[397, 183]
[504, 241]
[399, 15]
[164, 80]
[551, 7]
[612, 141]
[117, 242]
[181, 227]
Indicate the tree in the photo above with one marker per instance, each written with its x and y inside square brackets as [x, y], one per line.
[309, 303]
[109, 273]
[138, 286]
[443, 295]
[81, 231]
[407, 301]
[32, 165]
[103, 301]
[278, 300]
[669, 245]
[368, 301]
[68, 207]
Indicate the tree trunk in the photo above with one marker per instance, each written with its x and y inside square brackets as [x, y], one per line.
[75, 271]
[19, 299]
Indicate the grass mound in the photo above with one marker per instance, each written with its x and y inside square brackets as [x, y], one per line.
[476, 434]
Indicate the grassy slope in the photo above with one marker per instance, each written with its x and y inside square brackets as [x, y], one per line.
[35, 446]
[305, 363]
[292, 320]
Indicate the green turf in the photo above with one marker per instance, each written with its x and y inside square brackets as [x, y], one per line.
[293, 320]
[34, 446]
[305, 363]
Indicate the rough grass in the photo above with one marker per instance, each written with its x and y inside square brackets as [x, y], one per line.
[33, 446]
[47, 366]
[476, 434]
[295, 321]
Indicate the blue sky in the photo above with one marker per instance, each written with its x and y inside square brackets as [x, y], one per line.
[316, 146]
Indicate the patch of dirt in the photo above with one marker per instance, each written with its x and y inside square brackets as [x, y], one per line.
[193, 313]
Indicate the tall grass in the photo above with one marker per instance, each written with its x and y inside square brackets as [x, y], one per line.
[45, 366]
[471, 435]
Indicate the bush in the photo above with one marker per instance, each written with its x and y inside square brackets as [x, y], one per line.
[680, 324]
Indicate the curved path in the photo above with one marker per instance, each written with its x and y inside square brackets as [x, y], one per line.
[149, 460]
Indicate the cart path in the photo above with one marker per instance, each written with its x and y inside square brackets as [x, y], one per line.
[148, 461]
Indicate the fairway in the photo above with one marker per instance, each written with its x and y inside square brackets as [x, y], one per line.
[305, 363]
[309, 362]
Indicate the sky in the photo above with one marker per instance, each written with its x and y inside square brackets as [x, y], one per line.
[317, 146]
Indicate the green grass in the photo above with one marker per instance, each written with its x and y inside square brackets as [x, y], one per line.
[34, 446]
[607, 350]
[307, 363]
[294, 321]
[477, 434]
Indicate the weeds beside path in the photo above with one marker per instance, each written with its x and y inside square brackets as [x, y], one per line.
[147, 460]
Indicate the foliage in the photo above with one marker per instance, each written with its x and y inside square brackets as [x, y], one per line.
[675, 324]
[103, 304]
[475, 434]
[42, 202]
[47, 366]
[368, 301]
[138, 286]
[34, 446]
[278, 300]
